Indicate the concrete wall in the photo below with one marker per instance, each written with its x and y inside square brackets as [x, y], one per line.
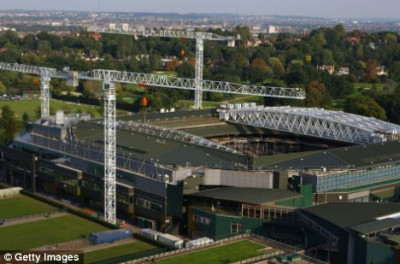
[238, 178]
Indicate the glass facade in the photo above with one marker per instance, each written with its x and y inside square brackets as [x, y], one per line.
[331, 182]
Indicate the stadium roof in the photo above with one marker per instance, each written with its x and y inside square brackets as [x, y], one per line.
[246, 195]
[161, 150]
[364, 218]
[343, 157]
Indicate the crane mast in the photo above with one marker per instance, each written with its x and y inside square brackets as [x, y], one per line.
[45, 95]
[198, 94]
[110, 153]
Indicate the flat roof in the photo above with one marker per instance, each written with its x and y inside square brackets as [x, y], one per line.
[161, 150]
[360, 217]
[246, 195]
[342, 157]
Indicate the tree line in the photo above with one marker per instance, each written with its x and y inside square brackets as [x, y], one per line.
[284, 59]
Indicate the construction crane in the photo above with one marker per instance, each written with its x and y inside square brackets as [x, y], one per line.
[109, 78]
[198, 36]
[45, 76]
[145, 80]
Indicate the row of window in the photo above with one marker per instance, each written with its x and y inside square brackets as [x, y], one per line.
[331, 182]
[141, 202]
[201, 219]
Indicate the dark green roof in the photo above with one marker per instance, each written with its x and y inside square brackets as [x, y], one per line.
[165, 151]
[360, 217]
[247, 195]
[375, 226]
[343, 157]
[181, 114]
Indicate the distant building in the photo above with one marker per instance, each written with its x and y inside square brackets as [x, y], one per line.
[329, 68]
[254, 42]
[353, 40]
[343, 71]
[112, 26]
[381, 71]
[272, 29]
[167, 59]
[125, 27]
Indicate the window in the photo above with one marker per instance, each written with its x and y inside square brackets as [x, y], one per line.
[201, 219]
[236, 228]
[148, 204]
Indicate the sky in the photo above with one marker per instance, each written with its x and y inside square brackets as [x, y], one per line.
[312, 8]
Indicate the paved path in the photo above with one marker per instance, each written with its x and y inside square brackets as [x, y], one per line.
[31, 218]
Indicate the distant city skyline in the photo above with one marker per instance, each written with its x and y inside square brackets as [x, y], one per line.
[310, 8]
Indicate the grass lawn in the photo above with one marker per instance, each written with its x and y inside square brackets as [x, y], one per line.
[46, 232]
[20, 206]
[31, 107]
[168, 73]
[359, 86]
[233, 252]
[117, 251]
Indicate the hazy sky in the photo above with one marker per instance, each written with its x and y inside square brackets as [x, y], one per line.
[315, 8]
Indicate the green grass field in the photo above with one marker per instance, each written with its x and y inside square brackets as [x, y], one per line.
[117, 251]
[31, 107]
[20, 206]
[46, 232]
[236, 251]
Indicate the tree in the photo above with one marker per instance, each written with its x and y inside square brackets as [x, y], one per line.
[185, 70]
[244, 32]
[25, 117]
[394, 71]
[339, 87]
[317, 95]
[364, 105]
[173, 64]
[256, 74]
[277, 66]
[370, 70]
[297, 77]
[3, 89]
[258, 71]
[91, 88]
[8, 124]
[44, 46]
[155, 62]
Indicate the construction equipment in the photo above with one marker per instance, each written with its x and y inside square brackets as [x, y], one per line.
[198, 36]
[109, 78]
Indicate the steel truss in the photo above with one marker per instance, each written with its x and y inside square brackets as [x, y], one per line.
[110, 153]
[183, 34]
[315, 122]
[172, 134]
[190, 84]
[198, 36]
